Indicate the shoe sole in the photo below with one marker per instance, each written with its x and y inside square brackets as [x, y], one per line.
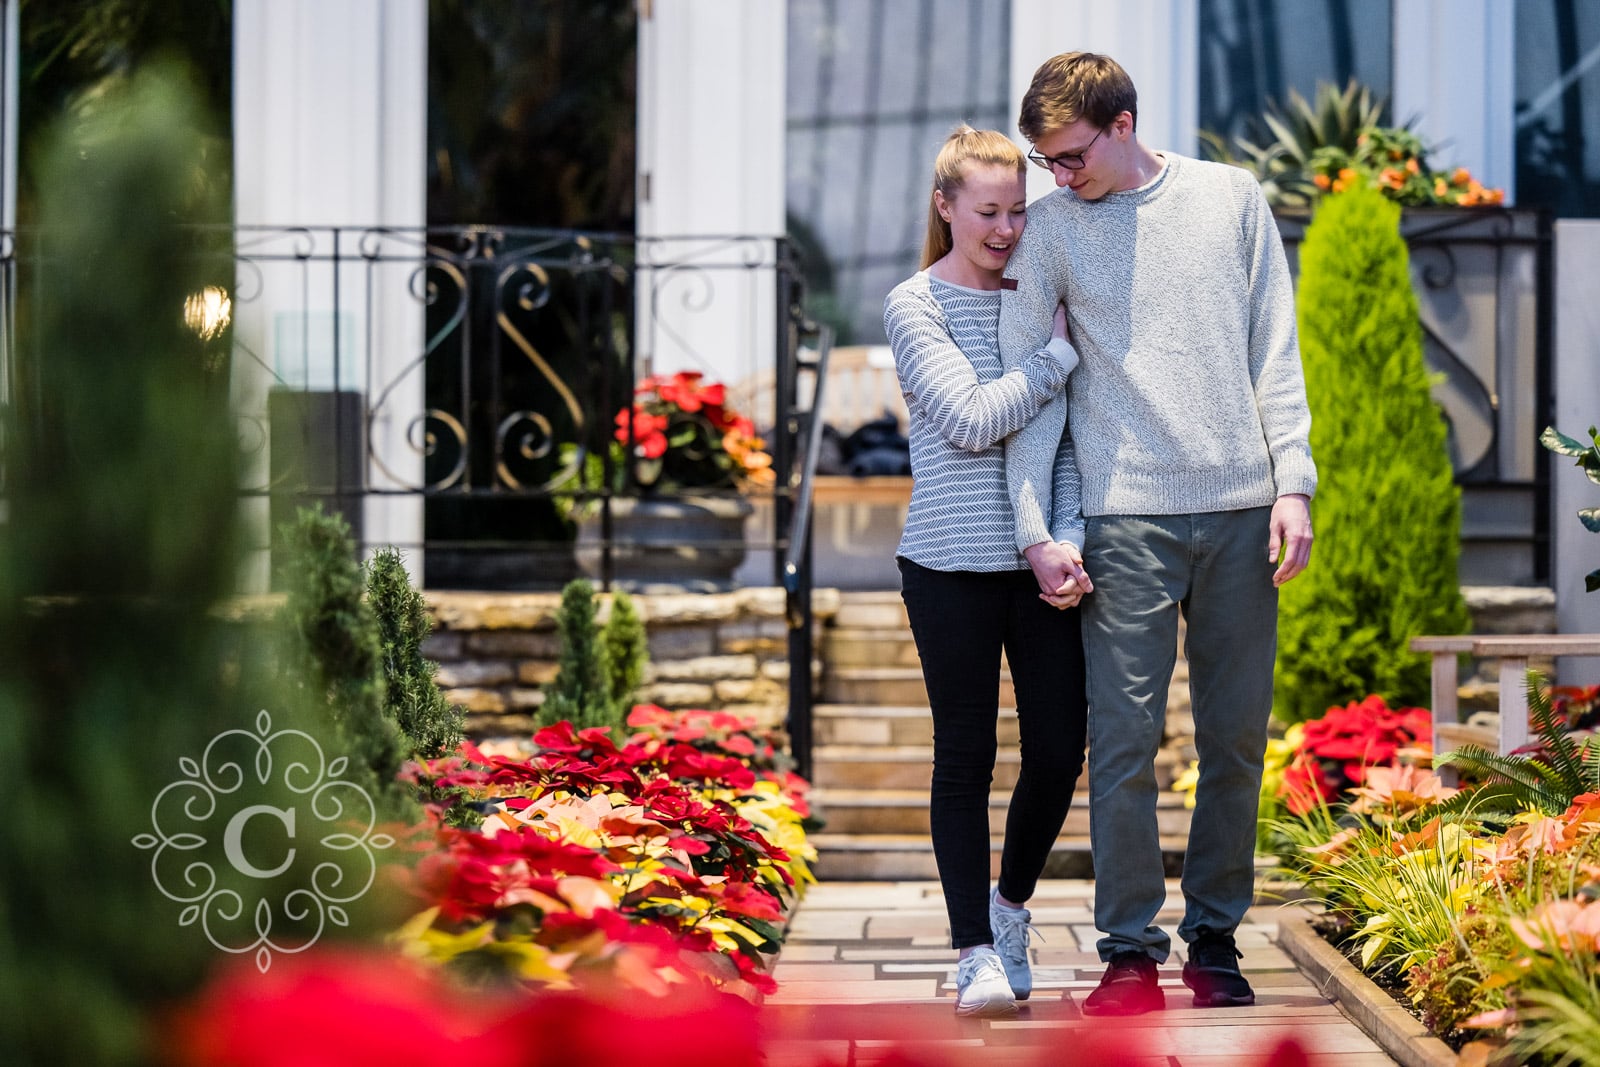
[1158, 1003]
[1223, 1000]
[989, 1009]
[1220, 999]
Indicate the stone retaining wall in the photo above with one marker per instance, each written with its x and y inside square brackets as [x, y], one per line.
[707, 650]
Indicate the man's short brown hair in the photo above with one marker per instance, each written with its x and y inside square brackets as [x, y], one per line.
[1073, 86]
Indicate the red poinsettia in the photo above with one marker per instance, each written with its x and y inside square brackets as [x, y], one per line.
[1336, 750]
[683, 435]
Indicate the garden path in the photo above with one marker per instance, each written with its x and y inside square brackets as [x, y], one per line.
[866, 970]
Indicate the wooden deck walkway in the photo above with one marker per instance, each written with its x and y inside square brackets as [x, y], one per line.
[867, 974]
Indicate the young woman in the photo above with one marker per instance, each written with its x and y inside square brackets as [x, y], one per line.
[968, 592]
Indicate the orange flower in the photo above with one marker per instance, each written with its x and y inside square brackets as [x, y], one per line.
[1322, 181]
[1347, 174]
[1413, 166]
[1460, 176]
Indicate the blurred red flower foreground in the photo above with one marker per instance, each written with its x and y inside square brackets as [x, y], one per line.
[347, 1010]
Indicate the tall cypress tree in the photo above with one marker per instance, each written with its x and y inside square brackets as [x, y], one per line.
[1387, 513]
[431, 725]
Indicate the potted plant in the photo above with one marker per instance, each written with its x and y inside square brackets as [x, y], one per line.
[671, 487]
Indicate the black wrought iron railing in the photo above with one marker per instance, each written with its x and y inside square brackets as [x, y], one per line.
[462, 393]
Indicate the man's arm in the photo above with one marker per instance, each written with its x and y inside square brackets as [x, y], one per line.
[1280, 390]
[1274, 356]
[940, 385]
[1026, 313]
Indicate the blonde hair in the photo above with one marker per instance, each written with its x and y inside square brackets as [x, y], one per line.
[1073, 86]
[965, 145]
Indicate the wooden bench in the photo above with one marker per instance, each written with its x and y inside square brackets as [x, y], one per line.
[1513, 652]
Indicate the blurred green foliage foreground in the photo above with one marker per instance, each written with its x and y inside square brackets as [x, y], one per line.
[135, 854]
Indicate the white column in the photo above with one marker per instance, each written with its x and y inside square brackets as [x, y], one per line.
[711, 164]
[1454, 73]
[1574, 550]
[1156, 41]
[330, 133]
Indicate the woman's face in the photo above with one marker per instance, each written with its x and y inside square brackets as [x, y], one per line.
[986, 215]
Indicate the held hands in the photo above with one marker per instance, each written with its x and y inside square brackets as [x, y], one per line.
[1291, 537]
[1058, 568]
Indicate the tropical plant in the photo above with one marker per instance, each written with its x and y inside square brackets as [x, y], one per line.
[1588, 457]
[430, 724]
[1388, 510]
[1336, 143]
[1559, 769]
[1283, 165]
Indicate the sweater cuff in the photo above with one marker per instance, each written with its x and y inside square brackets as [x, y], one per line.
[1064, 353]
[1295, 476]
[1031, 527]
[1070, 535]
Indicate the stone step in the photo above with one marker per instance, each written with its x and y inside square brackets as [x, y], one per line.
[891, 767]
[872, 610]
[889, 685]
[895, 857]
[878, 724]
[905, 811]
[869, 648]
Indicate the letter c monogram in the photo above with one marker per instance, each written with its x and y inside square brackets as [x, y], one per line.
[231, 840]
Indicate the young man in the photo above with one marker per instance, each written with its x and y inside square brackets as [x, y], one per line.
[1189, 421]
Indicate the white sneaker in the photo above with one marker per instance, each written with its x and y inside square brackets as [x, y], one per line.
[1010, 928]
[981, 985]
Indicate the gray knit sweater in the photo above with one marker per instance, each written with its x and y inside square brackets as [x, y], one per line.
[962, 404]
[1189, 397]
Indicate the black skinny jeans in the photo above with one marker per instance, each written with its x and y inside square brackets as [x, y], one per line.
[961, 620]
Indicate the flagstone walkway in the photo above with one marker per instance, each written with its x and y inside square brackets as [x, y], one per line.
[867, 970]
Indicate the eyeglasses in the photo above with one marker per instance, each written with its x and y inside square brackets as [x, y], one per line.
[1067, 160]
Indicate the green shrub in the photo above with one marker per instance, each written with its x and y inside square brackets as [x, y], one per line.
[118, 541]
[600, 668]
[332, 651]
[431, 726]
[625, 652]
[581, 691]
[1387, 513]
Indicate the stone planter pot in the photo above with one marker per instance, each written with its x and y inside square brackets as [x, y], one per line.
[692, 543]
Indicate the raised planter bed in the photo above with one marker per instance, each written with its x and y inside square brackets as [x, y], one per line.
[1396, 1030]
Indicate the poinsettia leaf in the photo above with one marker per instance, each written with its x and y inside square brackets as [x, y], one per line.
[1591, 581]
[1590, 518]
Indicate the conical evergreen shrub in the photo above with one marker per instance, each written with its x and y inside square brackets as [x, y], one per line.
[431, 725]
[332, 651]
[1387, 514]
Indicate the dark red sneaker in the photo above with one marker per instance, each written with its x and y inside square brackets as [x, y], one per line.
[1213, 971]
[1129, 987]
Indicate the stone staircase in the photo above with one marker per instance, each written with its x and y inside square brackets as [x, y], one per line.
[874, 753]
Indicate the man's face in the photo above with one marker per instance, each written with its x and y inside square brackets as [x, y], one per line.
[1096, 148]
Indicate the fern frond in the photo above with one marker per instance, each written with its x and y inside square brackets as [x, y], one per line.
[1565, 757]
[1533, 782]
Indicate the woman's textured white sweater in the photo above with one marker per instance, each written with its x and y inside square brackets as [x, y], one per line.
[962, 404]
[1189, 396]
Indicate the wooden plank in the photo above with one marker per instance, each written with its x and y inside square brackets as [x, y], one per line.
[1513, 703]
[1452, 643]
[1524, 645]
